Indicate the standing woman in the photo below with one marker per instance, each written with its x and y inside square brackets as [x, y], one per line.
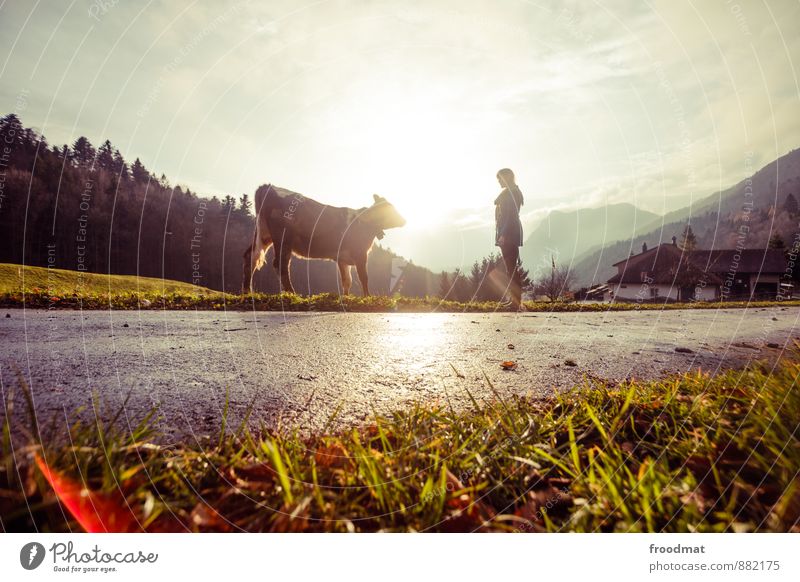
[509, 230]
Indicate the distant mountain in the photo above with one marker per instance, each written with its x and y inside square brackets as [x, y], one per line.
[447, 246]
[567, 236]
[745, 216]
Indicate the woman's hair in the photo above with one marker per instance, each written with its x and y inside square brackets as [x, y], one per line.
[506, 177]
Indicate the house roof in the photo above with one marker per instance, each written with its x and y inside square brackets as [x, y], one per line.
[640, 255]
[660, 265]
[668, 264]
[761, 261]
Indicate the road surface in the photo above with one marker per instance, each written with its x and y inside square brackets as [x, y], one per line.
[297, 369]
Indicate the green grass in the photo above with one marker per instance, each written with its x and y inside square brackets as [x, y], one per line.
[60, 289]
[65, 283]
[690, 453]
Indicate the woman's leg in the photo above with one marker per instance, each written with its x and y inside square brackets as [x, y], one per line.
[510, 258]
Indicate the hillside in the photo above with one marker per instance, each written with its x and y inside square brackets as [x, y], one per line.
[15, 278]
[770, 185]
[565, 236]
[745, 215]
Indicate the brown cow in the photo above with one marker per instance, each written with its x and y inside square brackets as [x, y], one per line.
[295, 224]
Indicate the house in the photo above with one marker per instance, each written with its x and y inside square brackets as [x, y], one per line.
[669, 273]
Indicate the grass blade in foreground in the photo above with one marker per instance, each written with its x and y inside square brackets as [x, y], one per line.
[689, 453]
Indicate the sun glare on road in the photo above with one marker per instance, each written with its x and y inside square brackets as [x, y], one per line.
[408, 335]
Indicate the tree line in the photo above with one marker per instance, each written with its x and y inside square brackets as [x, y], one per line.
[87, 208]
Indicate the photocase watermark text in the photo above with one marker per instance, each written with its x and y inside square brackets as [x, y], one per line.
[65, 553]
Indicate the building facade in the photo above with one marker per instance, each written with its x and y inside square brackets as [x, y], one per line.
[669, 273]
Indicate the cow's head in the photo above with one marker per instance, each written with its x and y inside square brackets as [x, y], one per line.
[384, 215]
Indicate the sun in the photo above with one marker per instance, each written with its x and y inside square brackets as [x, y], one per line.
[418, 154]
[413, 153]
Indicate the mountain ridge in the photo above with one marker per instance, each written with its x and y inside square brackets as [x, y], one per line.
[744, 215]
[565, 236]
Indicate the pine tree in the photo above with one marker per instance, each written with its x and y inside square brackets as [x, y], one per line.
[228, 203]
[688, 239]
[119, 167]
[34, 140]
[139, 172]
[245, 205]
[11, 130]
[83, 154]
[105, 156]
[445, 285]
[461, 287]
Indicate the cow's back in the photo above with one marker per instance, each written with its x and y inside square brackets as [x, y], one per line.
[320, 231]
[270, 199]
[313, 229]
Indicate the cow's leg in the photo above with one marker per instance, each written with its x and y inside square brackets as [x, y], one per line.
[282, 246]
[361, 269]
[253, 258]
[277, 249]
[247, 270]
[282, 263]
[347, 279]
[258, 258]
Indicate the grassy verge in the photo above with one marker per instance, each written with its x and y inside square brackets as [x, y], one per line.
[690, 453]
[61, 289]
[40, 299]
[66, 283]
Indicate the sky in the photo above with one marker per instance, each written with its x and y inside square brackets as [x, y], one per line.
[652, 103]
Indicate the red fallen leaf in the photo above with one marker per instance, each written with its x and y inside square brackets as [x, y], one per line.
[208, 518]
[333, 455]
[508, 365]
[96, 513]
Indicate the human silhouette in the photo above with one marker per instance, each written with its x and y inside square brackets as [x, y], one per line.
[508, 234]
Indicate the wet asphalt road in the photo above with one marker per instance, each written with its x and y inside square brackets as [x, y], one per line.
[298, 368]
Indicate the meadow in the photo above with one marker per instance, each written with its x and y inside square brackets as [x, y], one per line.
[43, 288]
